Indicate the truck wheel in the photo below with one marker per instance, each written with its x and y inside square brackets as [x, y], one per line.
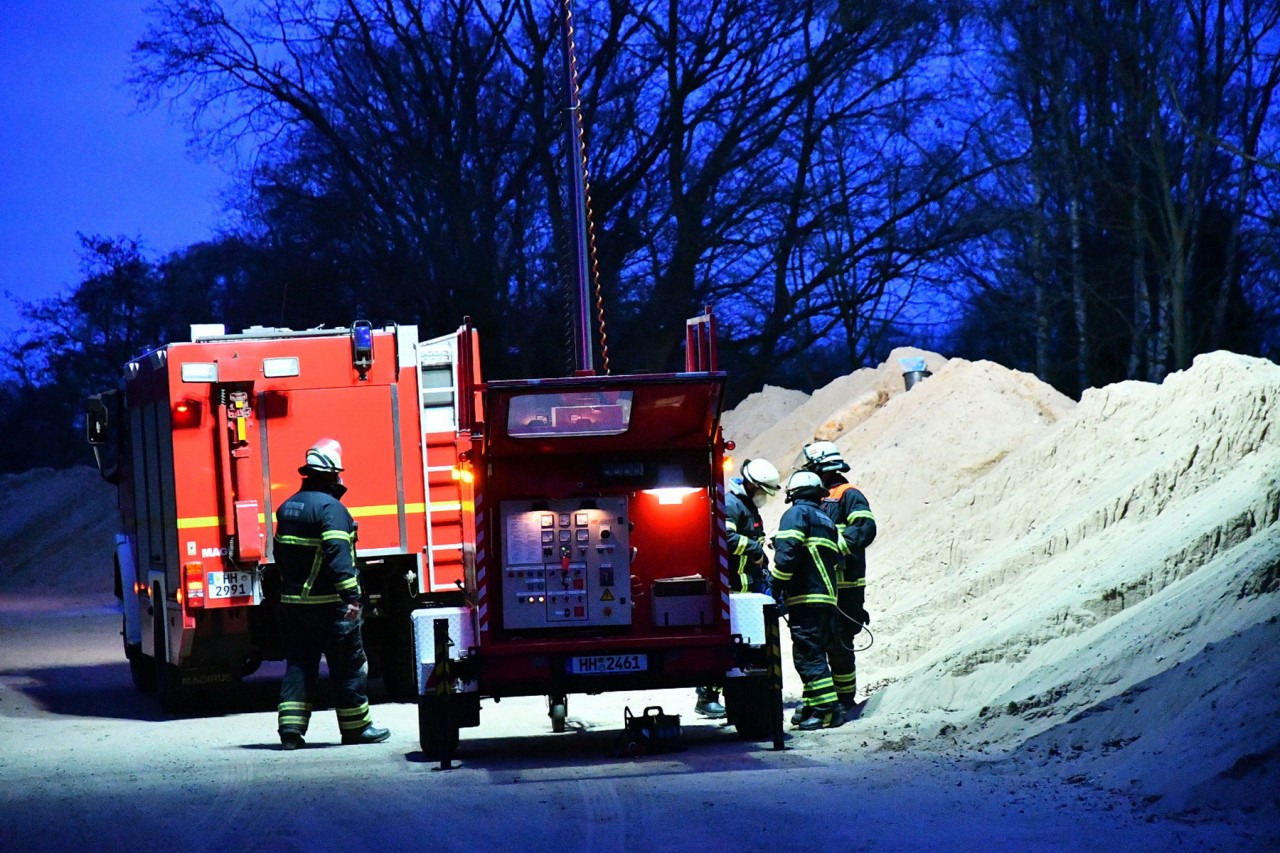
[748, 706]
[436, 735]
[142, 668]
[558, 710]
[168, 687]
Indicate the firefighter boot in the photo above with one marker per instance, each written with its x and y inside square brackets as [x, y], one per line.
[291, 740]
[709, 703]
[369, 734]
[852, 707]
[830, 717]
[802, 713]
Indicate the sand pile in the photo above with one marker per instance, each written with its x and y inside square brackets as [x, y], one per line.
[57, 531]
[1092, 584]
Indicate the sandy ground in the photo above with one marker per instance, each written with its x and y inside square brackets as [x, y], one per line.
[89, 764]
[1075, 610]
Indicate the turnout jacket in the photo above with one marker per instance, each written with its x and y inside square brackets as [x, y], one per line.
[315, 549]
[851, 512]
[806, 555]
[745, 534]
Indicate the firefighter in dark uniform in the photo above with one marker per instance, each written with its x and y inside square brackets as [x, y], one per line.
[320, 610]
[806, 563]
[849, 509]
[748, 563]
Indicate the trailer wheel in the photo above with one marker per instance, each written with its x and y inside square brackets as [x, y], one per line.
[142, 668]
[558, 711]
[749, 707]
[437, 735]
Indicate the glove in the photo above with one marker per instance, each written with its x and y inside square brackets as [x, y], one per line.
[861, 618]
[779, 598]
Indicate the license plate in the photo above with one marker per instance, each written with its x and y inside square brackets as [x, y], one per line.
[607, 664]
[230, 584]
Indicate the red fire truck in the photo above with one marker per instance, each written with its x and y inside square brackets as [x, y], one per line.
[204, 441]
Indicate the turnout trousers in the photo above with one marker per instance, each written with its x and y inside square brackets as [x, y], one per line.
[840, 656]
[312, 630]
[811, 636]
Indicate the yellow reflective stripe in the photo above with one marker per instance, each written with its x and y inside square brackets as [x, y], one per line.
[370, 511]
[811, 598]
[349, 583]
[375, 510]
[298, 540]
[295, 706]
[310, 599]
[202, 521]
[336, 534]
[196, 522]
[790, 534]
[861, 513]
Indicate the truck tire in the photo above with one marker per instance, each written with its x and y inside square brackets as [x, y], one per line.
[168, 687]
[142, 668]
[748, 706]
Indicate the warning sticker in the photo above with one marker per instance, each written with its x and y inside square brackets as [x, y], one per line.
[608, 595]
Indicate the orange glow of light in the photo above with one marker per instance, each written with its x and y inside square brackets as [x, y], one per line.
[463, 474]
[728, 464]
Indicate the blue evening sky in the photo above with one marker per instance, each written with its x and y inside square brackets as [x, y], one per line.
[76, 153]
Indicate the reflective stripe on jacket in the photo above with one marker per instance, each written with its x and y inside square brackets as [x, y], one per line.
[849, 509]
[745, 535]
[315, 549]
[806, 555]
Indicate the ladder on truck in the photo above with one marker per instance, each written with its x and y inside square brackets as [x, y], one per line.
[442, 365]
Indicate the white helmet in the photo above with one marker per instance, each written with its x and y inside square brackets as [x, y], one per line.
[761, 474]
[822, 456]
[805, 484]
[325, 456]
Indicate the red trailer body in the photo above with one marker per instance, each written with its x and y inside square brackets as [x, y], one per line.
[600, 560]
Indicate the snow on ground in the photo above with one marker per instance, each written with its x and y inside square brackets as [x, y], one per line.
[1088, 592]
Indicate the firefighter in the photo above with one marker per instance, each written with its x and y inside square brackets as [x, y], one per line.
[747, 494]
[320, 612]
[848, 508]
[749, 565]
[805, 568]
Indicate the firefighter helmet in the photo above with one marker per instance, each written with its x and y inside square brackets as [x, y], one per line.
[761, 474]
[805, 484]
[823, 457]
[325, 457]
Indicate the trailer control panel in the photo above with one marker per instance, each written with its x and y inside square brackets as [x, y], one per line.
[565, 562]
